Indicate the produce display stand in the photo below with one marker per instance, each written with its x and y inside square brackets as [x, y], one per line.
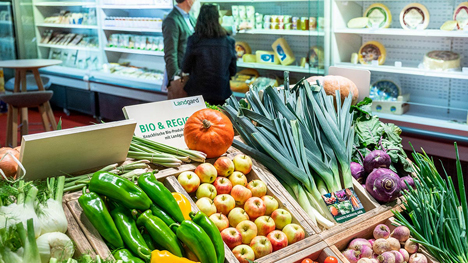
[364, 229]
[317, 252]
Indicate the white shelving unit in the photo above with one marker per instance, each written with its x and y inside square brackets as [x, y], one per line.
[300, 41]
[437, 98]
[105, 54]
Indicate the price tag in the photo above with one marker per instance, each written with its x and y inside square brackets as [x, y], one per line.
[164, 121]
[375, 63]
[398, 64]
[420, 27]
[375, 26]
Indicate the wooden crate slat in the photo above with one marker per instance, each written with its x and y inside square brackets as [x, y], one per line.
[83, 247]
[89, 231]
[175, 171]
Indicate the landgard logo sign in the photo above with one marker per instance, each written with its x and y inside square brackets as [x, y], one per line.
[185, 102]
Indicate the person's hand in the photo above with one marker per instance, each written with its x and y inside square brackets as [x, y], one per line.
[244, 26]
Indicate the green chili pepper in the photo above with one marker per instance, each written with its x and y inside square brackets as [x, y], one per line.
[97, 213]
[119, 189]
[212, 231]
[157, 211]
[196, 239]
[150, 242]
[160, 195]
[126, 256]
[129, 232]
[161, 233]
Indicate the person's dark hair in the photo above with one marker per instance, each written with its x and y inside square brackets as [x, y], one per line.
[180, 1]
[208, 25]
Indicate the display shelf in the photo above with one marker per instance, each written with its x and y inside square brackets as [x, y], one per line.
[280, 68]
[64, 3]
[125, 80]
[68, 26]
[406, 70]
[5, 3]
[421, 120]
[130, 29]
[255, 1]
[66, 72]
[283, 32]
[5, 23]
[94, 49]
[403, 32]
[135, 7]
[134, 51]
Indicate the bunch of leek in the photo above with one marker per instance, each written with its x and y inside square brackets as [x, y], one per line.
[301, 138]
[435, 213]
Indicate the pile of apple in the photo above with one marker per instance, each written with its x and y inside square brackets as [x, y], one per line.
[250, 222]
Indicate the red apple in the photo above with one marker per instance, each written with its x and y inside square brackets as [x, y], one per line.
[189, 181]
[271, 204]
[224, 203]
[281, 218]
[238, 178]
[232, 237]
[261, 246]
[278, 239]
[207, 172]
[206, 205]
[236, 216]
[258, 188]
[244, 253]
[265, 225]
[241, 194]
[222, 185]
[242, 163]
[206, 190]
[248, 230]
[224, 166]
[294, 232]
[220, 220]
[254, 207]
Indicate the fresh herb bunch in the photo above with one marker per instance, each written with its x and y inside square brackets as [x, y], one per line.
[372, 134]
[435, 213]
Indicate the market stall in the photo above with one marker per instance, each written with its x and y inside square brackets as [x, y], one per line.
[298, 173]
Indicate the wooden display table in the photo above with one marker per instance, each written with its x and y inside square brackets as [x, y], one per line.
[21, 66]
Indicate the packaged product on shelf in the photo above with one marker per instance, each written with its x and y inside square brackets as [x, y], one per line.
[304, 23]
[449, 26]
[315, 57]
[274, 19]
[235, 14]
[266, 57]
[250, 15]
[442, 60]
[274, 25]
[267, 19]
[242, 48]
[370, 51]
[296, 23]
[287, 26]
[461, 15]
[46, 36]
[283, 51]
[414, 16]
[321, 23]
[387, 97]
[358, 22]
[242, 13]
[249, 58]
[312, 23]
[379, 16]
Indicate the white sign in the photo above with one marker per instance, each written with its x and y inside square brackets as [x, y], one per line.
[164, 121]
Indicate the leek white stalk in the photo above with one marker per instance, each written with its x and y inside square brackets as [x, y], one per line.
[56, 245]
[50, 214]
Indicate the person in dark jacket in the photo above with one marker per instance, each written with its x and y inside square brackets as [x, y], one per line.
[210, 58]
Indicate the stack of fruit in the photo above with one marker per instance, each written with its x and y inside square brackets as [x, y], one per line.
[250, 222]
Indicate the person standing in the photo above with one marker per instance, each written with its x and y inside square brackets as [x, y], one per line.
[176, 27]
[210, 58]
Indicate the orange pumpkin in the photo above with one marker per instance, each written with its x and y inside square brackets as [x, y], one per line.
[332, 83]
[209, 131]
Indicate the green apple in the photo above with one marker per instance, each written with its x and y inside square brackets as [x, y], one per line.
[281, 218]
[206, 190]
[189, 181]
[242, 163]
[206, 205]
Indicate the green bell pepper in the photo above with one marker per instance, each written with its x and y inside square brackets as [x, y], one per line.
[97, 213]
[160, 195]
[212, 231]
[196, 239]
[161, 233]
[157, 211]
[129, 231]
[126, 256]
[119, 189]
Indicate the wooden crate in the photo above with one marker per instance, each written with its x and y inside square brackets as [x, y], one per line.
[258, 173]
[318, 252]
[365, 229]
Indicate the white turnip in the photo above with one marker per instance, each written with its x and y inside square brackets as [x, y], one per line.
[401, 233]
[411, 246]
[417, 258]
[405, 254]
[386, 257]
[398, 257]
[394, 243]
[359, 242]
[371, 241]
[381, 231]
[380, 246]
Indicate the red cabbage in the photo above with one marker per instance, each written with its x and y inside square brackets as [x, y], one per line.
[376, 159]
[383, 185]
